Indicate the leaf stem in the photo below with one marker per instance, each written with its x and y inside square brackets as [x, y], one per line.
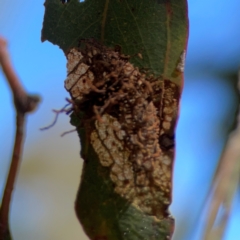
[24, 104]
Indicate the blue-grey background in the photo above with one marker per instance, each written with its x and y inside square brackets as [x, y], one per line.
[42, 208]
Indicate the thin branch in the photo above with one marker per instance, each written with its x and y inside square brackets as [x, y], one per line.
[24, 104]
[224, 185]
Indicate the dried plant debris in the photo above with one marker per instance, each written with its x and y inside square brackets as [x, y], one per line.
[134, 116]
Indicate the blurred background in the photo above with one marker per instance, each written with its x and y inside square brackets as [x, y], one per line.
[42, 207]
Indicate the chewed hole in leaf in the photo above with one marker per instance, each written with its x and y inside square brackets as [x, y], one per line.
[65, 1]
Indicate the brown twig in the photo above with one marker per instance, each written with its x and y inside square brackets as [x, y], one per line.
[24, 104]
[224, 185]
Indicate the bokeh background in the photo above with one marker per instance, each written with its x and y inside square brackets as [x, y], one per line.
[42, 208]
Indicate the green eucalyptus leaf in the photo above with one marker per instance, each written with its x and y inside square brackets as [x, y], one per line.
[155, 28]
[154, 34]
